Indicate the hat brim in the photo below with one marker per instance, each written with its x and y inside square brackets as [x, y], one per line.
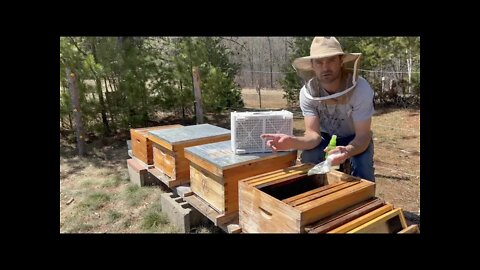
[304, 63]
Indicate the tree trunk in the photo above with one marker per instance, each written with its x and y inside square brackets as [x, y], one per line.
[251, 70]
[124, 88]
[109, 102]
[62, 119]
[250, 61]
[70, 121]
[113, 84]
[259, 94]
[271, 62]
[72, 79]
[103, 110]
[183, 107]
[198, 95]
[98, 82]
[409, 70]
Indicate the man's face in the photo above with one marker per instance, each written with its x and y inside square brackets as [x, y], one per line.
[327, 69]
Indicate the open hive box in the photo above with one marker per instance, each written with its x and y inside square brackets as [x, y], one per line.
[142, 146]
[169, 145]
[287, 200]
[215, 171]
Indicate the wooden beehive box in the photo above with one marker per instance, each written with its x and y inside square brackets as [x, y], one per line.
[141, 145]
[370, 216]
[215, 171]
[169, 144]
[287, 200]
[369, 208]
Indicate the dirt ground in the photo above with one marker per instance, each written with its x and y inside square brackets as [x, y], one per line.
[96, 195]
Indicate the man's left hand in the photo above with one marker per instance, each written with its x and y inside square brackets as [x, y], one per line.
[339, 159]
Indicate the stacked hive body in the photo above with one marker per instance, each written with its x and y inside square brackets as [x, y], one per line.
[169, 145]
[142, 146]
[287, 200]
[215, 171]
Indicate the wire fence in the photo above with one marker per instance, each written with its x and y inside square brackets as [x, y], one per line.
[391, 87]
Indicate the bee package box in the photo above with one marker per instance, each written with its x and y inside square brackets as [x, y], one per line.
[169, 145]
[248, 126]
[215, 171]
[141, 145]
[285, 201]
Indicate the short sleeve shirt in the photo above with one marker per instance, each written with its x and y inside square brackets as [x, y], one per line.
[338, 117]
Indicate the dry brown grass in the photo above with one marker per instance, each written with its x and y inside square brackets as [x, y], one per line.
[103, 198]
[271, 99]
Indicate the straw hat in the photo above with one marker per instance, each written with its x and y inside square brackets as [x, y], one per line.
[323, 47]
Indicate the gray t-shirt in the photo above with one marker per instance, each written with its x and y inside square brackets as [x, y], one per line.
[338, 115]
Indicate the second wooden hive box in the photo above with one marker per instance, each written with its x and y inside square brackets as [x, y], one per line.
[215, 171]
[169, 145]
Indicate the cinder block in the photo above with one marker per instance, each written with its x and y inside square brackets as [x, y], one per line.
[183, 191]
[180, 213]
[139, 174]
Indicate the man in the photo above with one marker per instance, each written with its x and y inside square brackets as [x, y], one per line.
[334, 101]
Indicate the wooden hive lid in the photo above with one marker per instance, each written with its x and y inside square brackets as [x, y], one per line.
[187, 134]
[144, 131]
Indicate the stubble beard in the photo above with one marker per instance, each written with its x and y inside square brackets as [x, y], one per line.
[329, 77]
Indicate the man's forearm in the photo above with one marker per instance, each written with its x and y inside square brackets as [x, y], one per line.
[308, 141]
[358, 144]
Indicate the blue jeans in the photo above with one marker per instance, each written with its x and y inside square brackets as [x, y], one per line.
[362, 164]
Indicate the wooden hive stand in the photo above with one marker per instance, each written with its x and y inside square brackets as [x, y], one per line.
[170, 165]
[215, 171]
[285, 201]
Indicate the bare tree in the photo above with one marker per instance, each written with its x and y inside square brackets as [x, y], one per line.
[271, 62]
[198, 95]
[72, 80]
[260, 57]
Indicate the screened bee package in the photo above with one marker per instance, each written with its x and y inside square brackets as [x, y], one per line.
[247, 127]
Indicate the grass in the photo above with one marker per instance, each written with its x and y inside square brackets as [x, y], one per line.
[127, 223]
[114, 215]
[113, 182]
[86, 183]
[82, 227]
[154, 220]
[95, 200]
[135, 195]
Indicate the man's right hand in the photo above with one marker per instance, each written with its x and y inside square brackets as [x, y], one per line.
[279, 141]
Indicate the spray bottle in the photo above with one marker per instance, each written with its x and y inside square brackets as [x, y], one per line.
[326, 165]
[331, 145]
